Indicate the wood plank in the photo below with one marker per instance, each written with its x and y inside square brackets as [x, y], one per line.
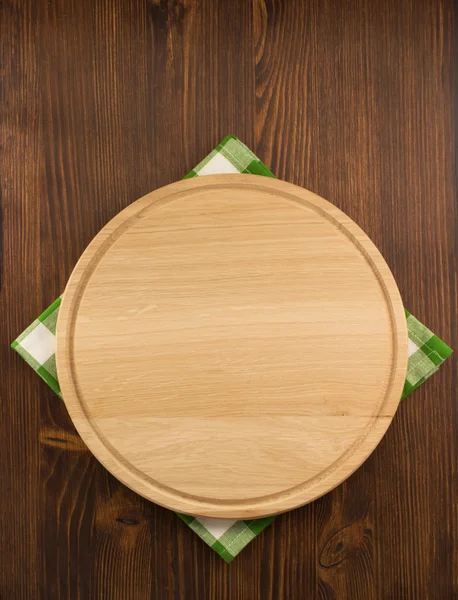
[20, 299]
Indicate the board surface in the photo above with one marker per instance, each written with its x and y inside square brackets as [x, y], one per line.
[231, 346]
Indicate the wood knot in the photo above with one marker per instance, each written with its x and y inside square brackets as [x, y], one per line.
[347, 542]
[166, 10]
[120, 526]
[64, 440]
[127, 521]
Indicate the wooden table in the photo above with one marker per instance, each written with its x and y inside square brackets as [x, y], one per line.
[104, 101]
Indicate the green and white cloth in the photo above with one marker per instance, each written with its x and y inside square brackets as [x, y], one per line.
[37, 346]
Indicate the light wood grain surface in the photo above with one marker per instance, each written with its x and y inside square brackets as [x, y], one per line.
[103, 102]
[231, 346]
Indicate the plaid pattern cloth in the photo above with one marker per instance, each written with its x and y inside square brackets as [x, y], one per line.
[37, 345]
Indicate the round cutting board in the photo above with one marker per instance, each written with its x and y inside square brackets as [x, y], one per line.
[231, 346]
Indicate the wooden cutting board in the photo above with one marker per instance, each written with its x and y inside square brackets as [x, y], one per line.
[231, 346]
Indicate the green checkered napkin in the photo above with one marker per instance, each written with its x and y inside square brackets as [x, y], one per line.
[37, 345]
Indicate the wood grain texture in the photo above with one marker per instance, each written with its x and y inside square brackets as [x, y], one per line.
[212, 302]
[104, 101]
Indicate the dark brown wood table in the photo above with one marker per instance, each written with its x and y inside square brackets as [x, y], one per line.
[101, 102]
